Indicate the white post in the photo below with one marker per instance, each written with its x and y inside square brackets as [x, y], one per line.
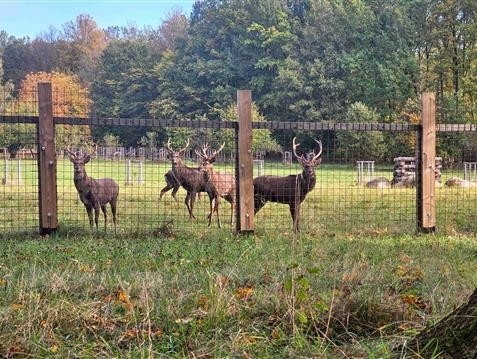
[19, 172]
[128, 172]
[140, 173]
[5, 171]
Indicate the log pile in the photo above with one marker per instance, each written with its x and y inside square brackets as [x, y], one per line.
[404, 174]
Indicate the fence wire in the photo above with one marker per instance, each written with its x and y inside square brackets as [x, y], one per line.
[364, 182]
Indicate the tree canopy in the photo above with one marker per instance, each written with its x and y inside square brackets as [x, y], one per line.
[303, 60]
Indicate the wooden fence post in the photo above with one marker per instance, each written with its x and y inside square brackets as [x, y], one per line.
[46, 161]
[426, 166]
[245, 208]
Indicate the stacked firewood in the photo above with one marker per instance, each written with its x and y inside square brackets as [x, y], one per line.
[404, 174]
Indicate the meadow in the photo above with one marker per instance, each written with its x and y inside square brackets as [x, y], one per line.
[355, 283]
[337, 204]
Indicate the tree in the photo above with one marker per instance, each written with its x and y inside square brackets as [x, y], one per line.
[447, 53]
[125, 86]
[452, 337]
[6, 93]
[70, 99]
[231, 44]
[361, 145]
[86, 43]
[263, 141]
[16, 57]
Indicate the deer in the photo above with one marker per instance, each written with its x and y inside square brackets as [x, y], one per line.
[292, 189]
[94, 193]
[217, 185]
[190, 178]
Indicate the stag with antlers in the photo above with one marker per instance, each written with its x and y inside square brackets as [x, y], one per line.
[290, 190]
[94, 193]
[217, 185]
[190, 178]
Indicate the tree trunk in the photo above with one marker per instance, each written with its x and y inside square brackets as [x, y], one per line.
[454, 337]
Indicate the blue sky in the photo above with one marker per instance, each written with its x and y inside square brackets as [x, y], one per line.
[21, 18]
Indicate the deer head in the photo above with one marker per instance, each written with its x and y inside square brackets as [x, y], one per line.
[205, 156]
[175, 155]
[79, 160]
[308, 164]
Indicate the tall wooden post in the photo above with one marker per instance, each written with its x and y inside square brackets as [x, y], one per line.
[245, 208]
[46, 161]
[426, 165]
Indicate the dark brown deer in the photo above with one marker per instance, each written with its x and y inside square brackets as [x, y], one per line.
[217, 185]
[290, 190]
[94, 193]
[190, 178]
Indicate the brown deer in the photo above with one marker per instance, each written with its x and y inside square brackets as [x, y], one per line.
[190, 178]
[217, 185]
[290, 190]
[94, 193]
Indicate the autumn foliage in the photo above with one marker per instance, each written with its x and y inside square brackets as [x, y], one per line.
[69, 97]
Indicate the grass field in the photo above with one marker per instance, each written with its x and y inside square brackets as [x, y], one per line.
[355, 283]
[337, 204]
[213, 294]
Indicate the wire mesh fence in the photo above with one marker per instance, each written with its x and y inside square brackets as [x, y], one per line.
[364, 179]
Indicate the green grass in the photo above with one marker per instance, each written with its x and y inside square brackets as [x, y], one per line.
[336, 205]
[356, 281]
[175, 294]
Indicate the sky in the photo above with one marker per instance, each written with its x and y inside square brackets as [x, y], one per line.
[21, 18]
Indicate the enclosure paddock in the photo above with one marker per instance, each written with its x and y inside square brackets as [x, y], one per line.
[339, 202]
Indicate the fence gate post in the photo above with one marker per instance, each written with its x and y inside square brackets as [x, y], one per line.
[245, 208]
[46, 161]
[426, 166]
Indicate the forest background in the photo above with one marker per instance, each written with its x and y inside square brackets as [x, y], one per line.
[304, 60]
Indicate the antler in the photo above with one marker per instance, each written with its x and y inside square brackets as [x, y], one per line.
[315, 157]
[93, 151]
[203, 152]
[168, 146]
[295, 145]
[302, 158]
[70, 153]
[216, 152]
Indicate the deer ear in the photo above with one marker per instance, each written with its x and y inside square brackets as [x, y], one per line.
[86, 158]
[317, 161]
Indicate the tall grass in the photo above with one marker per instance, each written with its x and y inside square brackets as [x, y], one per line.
[176, 294]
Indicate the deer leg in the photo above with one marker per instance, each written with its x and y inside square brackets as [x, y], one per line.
[211, 200]
[231, 200]
[174, 192]
[89, 210]
[258, 203]
[216, 209]
[295, 214]
[164, 190]
[292, 212]
[105, 214]
[188, 204]
[192, 201]
[96, 215]
[113, 211]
